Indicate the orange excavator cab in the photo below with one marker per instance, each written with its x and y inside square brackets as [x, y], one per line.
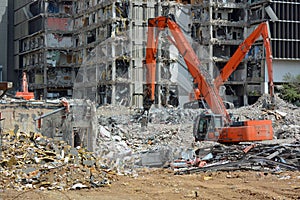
[25, 94]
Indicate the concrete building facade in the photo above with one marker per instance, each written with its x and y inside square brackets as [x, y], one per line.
[284, 36]
[43, 46]
[95, 49]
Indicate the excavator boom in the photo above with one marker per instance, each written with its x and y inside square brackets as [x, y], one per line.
[202, 80]
[240, 53]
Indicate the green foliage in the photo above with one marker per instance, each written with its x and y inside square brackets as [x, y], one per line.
[291, 89]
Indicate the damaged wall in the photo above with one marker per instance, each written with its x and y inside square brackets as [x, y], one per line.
[116, 48]
[59, 24]
[75, 28]
[20, 119]
[48, 43]
[58, 58]
[56, 40]
[60, 126]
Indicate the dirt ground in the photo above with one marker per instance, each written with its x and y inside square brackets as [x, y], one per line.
[163, 184]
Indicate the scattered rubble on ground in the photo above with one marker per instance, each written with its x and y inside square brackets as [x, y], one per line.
[257, 157]
[33, 161]
[168, 136]
[122, 145]
[285, 117]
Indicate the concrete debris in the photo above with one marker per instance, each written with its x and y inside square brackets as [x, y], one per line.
[261, 157]
[168, 136]
[121, 145]
[285, 117]
[126, 145]
[173, 115]
[34, 161]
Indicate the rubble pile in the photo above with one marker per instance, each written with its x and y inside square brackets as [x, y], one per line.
[258, 157]
[33, 161]
[173, 115]
[122, 144]
[126, 144]
[285, 116]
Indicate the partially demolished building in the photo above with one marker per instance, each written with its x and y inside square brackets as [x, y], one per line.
[98, 47]
[44, 45]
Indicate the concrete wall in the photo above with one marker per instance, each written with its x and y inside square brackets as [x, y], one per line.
[282, 67]
[59, 125]
[22, 118]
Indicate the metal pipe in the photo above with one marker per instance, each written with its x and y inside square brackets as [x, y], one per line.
[49, 113]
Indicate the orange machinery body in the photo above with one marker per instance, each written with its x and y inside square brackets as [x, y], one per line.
[252, 130]
[25, 94]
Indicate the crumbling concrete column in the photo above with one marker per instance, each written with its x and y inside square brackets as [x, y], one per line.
[245, 96]
[113, 75]
[45, 76]
[138, 82]
[210, 54]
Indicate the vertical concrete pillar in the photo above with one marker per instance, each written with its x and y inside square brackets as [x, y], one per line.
[245, 96]
[264, 74]
[45, 74]
[131, 67]
[211, 66]
[96, 77]
[245, 84]
[113, 11]
[113, 74]
[138, 68]
[73, 79]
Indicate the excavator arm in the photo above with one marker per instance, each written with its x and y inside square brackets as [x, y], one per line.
[203, 84]
[240, 53]
[217, 126]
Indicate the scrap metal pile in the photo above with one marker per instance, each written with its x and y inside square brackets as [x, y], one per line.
[33, 161]
[257, 157]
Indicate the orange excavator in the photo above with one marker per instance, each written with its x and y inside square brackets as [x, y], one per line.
[217, 125]
[239, 55]
[25, 94]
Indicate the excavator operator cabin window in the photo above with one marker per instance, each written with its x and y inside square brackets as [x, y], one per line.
[218, 122]
[202, 125]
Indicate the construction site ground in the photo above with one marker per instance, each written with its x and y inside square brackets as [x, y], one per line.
[163, 184]
[133, 148]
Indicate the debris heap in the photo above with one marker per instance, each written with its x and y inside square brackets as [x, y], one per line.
[168, 135]
[285, 116]
[258, 157]
[121, 145]
[33, 161]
